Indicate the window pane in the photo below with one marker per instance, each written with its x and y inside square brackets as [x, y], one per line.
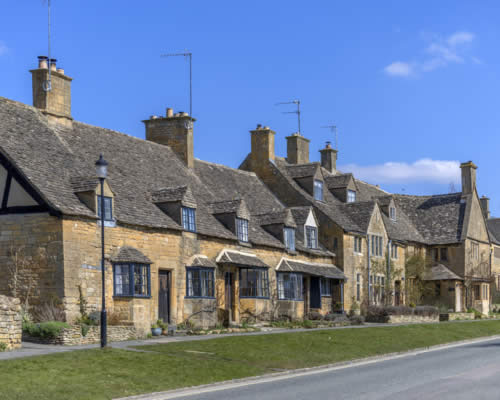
[122, 280]
[108, 213]
[318, 190]
[254, 282]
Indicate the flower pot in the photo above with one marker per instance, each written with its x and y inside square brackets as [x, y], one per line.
[156, 331]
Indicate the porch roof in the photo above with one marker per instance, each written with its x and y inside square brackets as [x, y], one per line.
[240, 259]
[200, 260]
[440, 272]
[130, 254]
[310, 268]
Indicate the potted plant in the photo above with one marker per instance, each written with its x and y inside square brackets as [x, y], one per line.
[163, 326]
[155, 330]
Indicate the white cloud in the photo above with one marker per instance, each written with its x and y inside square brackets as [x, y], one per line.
[399, 68]
[441, 52]
[3, 48]
[423, 170]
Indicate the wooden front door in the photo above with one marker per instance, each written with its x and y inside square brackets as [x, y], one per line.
[229, 295]
[315, 292]
[397, 293]
[164, 296]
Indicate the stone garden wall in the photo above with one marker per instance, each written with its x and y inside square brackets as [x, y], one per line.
[73, 336]
[404, 319]
[10, 322]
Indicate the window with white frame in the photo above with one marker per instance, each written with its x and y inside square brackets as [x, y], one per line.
[189, 219]
[358, 244]
[475, 251]
[394, 251]
[392, 213]
[376, 245]
[312, 237]
[351, 196]
[108, 208]
[289, 286]
[289, 234]
[325, 287]
[358, 287]
[318, 189]
[242, 229]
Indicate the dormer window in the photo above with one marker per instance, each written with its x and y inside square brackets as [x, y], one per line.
[311, 237]
[289, 235]
[108, 208]
[318, 190]
[242, 229]
[188, 219]
[351, 196]
[392, 213]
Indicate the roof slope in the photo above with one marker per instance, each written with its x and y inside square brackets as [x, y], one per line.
[439, 219]
[493, 225]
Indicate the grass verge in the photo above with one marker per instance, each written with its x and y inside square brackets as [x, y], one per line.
[111, 373]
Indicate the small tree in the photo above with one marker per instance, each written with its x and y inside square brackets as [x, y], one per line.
[387, 269]
[416, 287]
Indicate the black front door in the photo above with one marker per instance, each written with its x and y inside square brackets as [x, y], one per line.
[164, 296]
[229, 300]
[315, 292]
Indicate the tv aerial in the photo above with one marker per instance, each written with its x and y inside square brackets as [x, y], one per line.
[333, 128]
[47, 85]
[188, 55]
[297, 102]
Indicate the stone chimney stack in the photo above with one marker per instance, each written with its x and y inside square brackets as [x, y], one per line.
[262, 145]
[175, 131]
[52, 96]
[329, 158]
[297, 149]
[468, 177]
[485, 205]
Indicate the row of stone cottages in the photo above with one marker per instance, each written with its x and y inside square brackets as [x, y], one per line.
[190, 239]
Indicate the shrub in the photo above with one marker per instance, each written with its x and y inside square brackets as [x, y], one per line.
[3, 346]
[46, 330]
[377, 314]
[50, 310]
[477, 314]
[315, 316]
[427, 311]
[357, 319]
[330, 317]
[307, 324]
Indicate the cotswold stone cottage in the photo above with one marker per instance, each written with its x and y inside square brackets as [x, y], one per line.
[374, 233]
[185, 239]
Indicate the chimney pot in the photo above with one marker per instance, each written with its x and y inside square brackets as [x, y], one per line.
[42, 62]
[259, 126]
[60, 70]
[53, 63]
[266, 127]
[170, 112]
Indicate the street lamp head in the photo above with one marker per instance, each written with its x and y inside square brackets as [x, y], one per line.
[101, 167]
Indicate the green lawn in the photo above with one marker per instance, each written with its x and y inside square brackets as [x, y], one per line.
[98, 374]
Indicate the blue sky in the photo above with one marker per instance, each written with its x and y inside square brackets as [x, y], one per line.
[413, 86]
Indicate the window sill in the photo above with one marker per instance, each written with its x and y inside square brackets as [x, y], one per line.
[199, 297]
[107, 224]
[254, 297]
[291, 300]
[292, 252]
[326, 295]
[119, 296]
[244, 244]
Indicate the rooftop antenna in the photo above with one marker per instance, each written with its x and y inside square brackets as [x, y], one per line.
[190, 56]
[297, 102]
[333, 128]
[47, 85]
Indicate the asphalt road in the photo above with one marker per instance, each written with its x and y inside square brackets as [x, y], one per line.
[467, 372]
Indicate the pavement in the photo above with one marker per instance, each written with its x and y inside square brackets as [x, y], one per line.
[469, 370]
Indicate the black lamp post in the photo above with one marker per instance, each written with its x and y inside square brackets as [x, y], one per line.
[102, 171]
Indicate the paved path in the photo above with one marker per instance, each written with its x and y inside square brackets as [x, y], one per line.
[456, 372]
[32, 349]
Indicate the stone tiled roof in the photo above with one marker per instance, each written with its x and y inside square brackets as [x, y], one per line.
[338, 181]
[302, 170]
[284, 217]
[440, 272]
[173, 194]
[201, 261]
[315, 269]
[360, 212]
[438, 219]
[240, 259]
[84, 183]
[227, 206]
[130, 254]
[493, 225]
[300, 214]
[367, 191]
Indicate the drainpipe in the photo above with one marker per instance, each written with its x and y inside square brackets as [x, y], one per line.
[387, 283]
[368, 266]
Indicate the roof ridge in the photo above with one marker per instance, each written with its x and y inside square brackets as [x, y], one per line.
[228, 167]
[427, 195]
[370, 184]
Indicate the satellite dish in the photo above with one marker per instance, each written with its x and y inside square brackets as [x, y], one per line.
[188, 124]
[47, 86]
